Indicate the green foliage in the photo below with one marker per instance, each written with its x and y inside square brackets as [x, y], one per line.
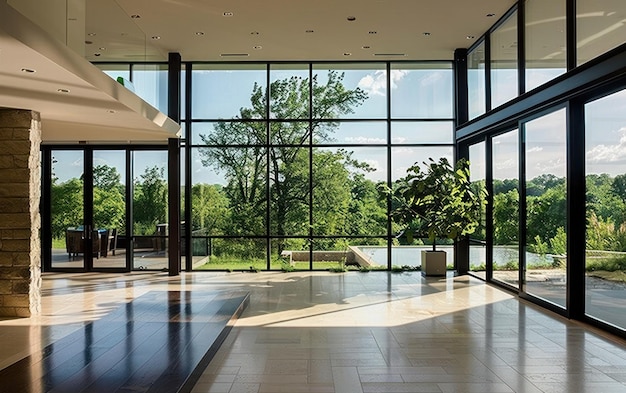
[538, 246]
[397, 269]
[283, 165]
[150, 201]
[66, 206]
[558, 244]
[439, 202]
[608, 264]
[506, 217]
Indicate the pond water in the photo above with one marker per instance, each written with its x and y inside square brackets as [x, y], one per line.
[411, 255]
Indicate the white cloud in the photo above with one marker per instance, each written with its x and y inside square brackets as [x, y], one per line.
[609, 153]
[535, 149]
[364, 140]
[376, 84]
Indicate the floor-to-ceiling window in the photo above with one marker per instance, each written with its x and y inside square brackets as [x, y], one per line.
[503, 61]
[605, 139]
[285, 166]
[505, 171]
[546, 209]
[478, 246]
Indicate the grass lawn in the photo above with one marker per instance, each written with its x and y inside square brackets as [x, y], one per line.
[259, 264]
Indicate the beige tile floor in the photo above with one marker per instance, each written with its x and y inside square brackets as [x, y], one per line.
[355, 332]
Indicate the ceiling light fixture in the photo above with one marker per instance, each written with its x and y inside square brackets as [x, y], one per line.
[228, 13]
[87, 42]
[257, 47]
[28, 70]
[373, 32]
[110, 111]
[102, 48]
[254, 33]
[470, 37]
[199, 33]
[426, 33]
[96, 54]
[63, 90]
[309, 31]
[347, 54]
[91, 34]
[390, 54]
[156, 37]
[351, 18]
[490, 15]
[365, 47]
[135, 16]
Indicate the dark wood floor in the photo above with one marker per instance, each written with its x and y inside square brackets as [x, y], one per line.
[159, 342]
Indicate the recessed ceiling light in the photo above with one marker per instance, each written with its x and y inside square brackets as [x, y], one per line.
[347, 54]
[110, 111]
[96, 54]
[373, 32]
[199, 33]
[257, 47]
[490, 15]
[87, 42]
[470, 37]
[254, 32]
[351, 18]
[156, 37]
[228, 13]
[91, 34]
[309, 31]
[365, 47]
[28, 70]
[135, 16]
[102, 48]
[63, 90]
[426, 33]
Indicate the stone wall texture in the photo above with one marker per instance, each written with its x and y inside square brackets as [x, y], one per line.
[20, 220]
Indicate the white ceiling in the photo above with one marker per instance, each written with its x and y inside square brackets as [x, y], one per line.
[97, 109]
[279, 28]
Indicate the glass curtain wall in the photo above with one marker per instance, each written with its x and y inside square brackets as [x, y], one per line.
[545, 48]
[67, 209]
[476, 95]
[605, 129]
[478, 245]
[285, 167]
[546, 207]
[150, 210]
[600, 27]
[505, 170]
[503, 61]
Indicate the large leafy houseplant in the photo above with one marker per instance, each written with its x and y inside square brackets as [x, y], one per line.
[437, 202]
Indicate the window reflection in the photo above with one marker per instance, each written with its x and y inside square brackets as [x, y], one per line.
[605, 129]
[504, 78]
[600, 27]
[476, 81]
[546, 209]
[545, 41]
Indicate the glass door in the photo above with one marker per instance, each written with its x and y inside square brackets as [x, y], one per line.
[87, 210]
[109, 208]
[69, 232]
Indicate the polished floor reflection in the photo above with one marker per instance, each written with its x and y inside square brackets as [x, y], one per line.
[353, 332]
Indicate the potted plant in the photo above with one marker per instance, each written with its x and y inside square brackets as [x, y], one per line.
[439, 203]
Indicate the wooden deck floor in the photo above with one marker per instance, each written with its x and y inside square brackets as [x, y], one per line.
[159, 342]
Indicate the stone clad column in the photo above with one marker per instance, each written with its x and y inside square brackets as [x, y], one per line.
[20, 222]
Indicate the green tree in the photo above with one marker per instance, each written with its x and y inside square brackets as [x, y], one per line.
[282, 166]
[506, 217]
[210, 213]
[66, 206]
[150, 201]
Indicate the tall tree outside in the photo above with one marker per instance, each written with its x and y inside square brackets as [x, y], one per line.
[272, 165]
